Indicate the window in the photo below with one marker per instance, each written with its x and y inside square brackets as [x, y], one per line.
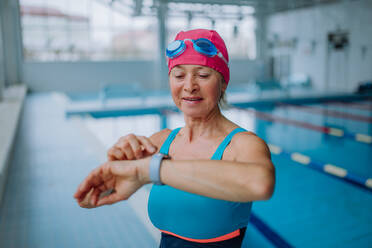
[235, 24]
[67, 30]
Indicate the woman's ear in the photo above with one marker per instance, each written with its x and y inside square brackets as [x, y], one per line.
[223, 85]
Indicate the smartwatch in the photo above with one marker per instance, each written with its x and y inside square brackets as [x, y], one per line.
[154, 168]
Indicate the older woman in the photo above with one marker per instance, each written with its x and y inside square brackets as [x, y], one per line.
[205, 174]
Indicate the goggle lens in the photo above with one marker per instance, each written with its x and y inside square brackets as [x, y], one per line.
[201, 45]
[206, 47]
[174, 45]
[175, 48]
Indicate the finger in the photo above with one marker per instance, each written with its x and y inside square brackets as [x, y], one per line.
[136, 147]
[92, 180]
[108, 200]
[128, 152]
[129, 145]
[149, 147]
[85, 205]
[110, 158]
[79, 191]
[82, 191]
[88, 205]
[95, 196]
[115, 154]
[85, 202]
[87, 196]
[81, 195]
[99, 178]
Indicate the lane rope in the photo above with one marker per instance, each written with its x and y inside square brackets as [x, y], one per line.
[268, 232]
[336, 132]
[351, 105]
[326, 168]
[328, 112]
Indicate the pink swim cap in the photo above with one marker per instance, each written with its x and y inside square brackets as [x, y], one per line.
[192, 57]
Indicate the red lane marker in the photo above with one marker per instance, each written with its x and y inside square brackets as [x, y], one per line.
[272, 118]
[328, 112]
[352, 105]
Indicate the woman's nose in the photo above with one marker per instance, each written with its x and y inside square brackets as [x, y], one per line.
[190, 84]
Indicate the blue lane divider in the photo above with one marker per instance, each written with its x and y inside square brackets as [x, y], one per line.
[336, 132]
[110, 113]
[270, 234]
[328, 169]
[117, 112]
[359, 137]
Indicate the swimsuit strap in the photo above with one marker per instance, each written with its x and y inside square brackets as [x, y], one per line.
[216, 156]
[221, 148]
[165, 147]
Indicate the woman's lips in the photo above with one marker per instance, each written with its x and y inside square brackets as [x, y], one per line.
[192, 100]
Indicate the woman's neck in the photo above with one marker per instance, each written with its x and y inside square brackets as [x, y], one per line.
[207, 126]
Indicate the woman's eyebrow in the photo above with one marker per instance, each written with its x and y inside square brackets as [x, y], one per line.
[179, 67]
[178, 70]
[202, 69]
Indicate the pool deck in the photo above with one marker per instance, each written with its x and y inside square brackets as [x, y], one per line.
[50, 158]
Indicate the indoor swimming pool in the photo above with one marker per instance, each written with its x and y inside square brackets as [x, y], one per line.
[322, 153]
[323, 177]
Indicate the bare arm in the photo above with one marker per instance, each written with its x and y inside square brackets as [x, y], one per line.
[226, 180]
[250, 177]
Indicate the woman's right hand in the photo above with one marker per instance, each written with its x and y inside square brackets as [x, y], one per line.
[131, 147]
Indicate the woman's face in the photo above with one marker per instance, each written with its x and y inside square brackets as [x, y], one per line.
[196, 89]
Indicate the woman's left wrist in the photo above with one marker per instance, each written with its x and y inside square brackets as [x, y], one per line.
[143, 170]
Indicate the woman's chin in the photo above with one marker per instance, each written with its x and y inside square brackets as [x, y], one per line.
[193, 113]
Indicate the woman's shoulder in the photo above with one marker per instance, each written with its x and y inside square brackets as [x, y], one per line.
[158, 138]
[248, 141]
[247, 137]
[243, 136]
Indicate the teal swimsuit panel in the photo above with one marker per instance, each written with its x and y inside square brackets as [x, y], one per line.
[195, 216]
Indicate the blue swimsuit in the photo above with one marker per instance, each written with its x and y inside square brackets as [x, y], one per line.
[194, 217]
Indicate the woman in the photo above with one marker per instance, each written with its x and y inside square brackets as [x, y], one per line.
[205, 174]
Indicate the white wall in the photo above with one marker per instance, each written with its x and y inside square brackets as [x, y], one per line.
[2, 71]
[345, 69]
[90, 76]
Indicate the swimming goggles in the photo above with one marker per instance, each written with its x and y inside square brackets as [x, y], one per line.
[201, 45]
